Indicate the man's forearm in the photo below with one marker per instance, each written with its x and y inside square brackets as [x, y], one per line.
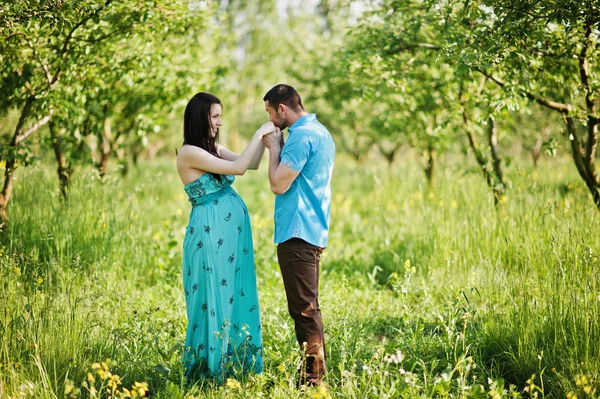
[274, 154]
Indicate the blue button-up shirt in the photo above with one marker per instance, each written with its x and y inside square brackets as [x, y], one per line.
[303, 210]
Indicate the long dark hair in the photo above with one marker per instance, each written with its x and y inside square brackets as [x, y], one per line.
[196, 123]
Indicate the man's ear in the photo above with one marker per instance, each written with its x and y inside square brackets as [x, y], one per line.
[282, 107]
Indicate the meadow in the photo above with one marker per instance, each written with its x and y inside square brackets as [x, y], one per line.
[426, 292]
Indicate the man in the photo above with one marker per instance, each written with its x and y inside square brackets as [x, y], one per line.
[300, 176]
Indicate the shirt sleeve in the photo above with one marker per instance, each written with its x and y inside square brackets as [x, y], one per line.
[296, 150]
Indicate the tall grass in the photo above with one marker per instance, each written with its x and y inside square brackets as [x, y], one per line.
[426, 291]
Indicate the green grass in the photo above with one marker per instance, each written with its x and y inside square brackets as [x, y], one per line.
[476, 300]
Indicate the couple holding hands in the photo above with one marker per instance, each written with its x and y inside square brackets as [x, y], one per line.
[224, 333]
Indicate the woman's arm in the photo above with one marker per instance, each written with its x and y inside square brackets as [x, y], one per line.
[258, 156]
[227, 154]
[255, 163]
[198, 158]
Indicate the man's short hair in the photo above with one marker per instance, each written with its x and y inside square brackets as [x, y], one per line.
[284, 94]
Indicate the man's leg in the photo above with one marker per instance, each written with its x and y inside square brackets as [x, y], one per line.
[299, 262]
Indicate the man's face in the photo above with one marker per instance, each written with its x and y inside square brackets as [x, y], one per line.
[277, 116]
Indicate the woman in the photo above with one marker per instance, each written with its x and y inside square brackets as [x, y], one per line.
[219, 276]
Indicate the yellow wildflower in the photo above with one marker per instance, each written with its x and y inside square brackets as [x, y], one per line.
[140, 389]
[69, 387]
[114, 381]
[233, 384]
[321, 393]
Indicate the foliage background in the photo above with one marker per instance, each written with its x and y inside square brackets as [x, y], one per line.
[464, 242]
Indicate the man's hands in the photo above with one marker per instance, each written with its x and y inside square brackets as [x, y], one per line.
[273, 140]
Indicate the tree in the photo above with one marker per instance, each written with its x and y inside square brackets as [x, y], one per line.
[408, 94]
[411, 40]
[50, 45]
[543, 52]
[256, 64]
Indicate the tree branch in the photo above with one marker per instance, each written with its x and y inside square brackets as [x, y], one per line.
[98, 39]
[15, 34]
[65, 46]
[540, 100]
[426, 46]
[44, 66]
[69, 37]
[24, 114]
[23, 136]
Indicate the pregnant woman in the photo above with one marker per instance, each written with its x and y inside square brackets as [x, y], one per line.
[219, 276]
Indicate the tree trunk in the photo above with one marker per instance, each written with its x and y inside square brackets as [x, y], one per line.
[499, 185]
[105, 148]
[63, 169]
[592, 180]
[481, 160]
[11, 161]
[103, 163]
[389, 155]
[429, 169]
[135, 156]
[537, 149]
[153, 149]
[125, 168]
[347, 148]
[232, 139]
[584, 164]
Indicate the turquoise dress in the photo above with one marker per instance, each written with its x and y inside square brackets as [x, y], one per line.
[224, 337]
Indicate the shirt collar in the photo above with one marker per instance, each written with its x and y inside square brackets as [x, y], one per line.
[302, 121]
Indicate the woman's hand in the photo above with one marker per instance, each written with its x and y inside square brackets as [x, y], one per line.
[273, 140]
[267, 128]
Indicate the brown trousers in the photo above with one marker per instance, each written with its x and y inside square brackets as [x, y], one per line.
[299, 263]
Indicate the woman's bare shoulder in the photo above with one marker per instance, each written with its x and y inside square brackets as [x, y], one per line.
[187, 149]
